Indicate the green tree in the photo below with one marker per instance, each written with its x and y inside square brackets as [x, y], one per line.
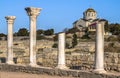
[22, 32]
[55, 45]
[67, 45]
[2, 35]
[40, 31]
[49, 32]
[86, 30]
[15, 34]
[72, 30]
[106, 26]
[86, 36]
[74, 40]
[55, 37]
[114, 29]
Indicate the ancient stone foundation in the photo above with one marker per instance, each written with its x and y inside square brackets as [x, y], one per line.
[55, 72]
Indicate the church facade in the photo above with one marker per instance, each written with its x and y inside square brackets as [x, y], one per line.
[89, 21]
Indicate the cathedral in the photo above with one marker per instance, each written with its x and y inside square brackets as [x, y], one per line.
[89, 21]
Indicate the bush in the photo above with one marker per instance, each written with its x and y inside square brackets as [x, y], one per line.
[72, 30]
[3, 35]
[40, 31]
[92, 32]
[67, 46]
[85, 37]
[49, 32]
[40, 37]
[40, 49]
[56, 37]
[74, 40]
[22, 32]
[68, 52]
[55, 45]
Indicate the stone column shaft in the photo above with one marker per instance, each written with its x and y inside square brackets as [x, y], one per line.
[99, 54]
[32, 13]
[61, 51]
[10, 21]
[32, 40]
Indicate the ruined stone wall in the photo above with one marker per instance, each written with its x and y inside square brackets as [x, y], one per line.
[80, 57]
[83, 61]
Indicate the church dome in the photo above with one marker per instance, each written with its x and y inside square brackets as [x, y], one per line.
[90, 14]
[90, 10]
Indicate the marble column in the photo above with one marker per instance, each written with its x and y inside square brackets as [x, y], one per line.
[32, 13]
[10, 21]
[61, 51]
[99, 46]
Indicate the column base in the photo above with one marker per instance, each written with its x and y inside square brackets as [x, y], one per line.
[99, 71]
[33, 65]
[10, 62]
[61, 67]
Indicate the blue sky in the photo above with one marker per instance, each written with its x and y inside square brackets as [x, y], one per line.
[56, 14]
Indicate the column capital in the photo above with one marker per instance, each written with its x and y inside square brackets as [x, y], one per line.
[32, 11]
[10, 19]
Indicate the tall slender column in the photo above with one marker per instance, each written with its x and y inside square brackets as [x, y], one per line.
[61, 51]
[99, 54]
[10, 21]
[32, 13]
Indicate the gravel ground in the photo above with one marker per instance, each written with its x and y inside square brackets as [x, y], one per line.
[25, 75]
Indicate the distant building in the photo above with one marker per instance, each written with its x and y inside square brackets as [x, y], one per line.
[89, 21]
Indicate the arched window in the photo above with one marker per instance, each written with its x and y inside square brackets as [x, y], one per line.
[88, 14]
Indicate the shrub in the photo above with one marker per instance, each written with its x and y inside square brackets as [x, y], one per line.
[55, 45]
[67, 46]
[40, 37]
[74, 40]
[40, 49]
[92, 32]
[85, 36]
[68, 52]
[56, 37]
[49, 32]
[22, 32]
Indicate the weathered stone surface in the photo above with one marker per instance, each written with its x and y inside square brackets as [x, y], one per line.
[56, 72]
[47, 56]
